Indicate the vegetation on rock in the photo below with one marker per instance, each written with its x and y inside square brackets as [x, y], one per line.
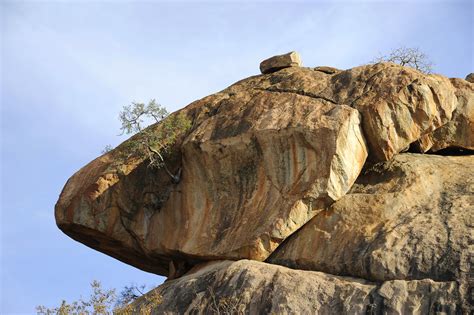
[409, 57]
[99, 302]
[105, 302]
[153, 142]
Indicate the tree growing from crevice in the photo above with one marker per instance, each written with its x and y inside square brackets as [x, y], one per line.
[153, 142]
[409, 57]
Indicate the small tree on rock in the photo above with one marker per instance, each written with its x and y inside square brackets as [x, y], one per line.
[410, 57]
[153, 142]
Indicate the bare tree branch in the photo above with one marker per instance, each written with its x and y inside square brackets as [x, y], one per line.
[409, 57]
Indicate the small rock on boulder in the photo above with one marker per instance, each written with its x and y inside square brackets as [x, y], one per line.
[327, 70]
[470, 77]
[275, 63]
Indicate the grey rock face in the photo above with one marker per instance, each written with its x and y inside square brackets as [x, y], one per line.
[250, 287]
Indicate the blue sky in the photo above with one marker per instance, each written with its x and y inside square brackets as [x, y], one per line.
[67, 68]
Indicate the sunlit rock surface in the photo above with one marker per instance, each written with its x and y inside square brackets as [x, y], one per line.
[275, 63]
[458, 133]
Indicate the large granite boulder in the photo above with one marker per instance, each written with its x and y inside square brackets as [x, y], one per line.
[256, 166]
[249, 287]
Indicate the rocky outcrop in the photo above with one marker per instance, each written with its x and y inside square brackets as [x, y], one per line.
[249, 287]
[275, 63]
[302, 167]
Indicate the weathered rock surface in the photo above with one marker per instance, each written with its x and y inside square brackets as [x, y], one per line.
[249, 287]
[255, 168]
[458, 133]
[398, 104]
[410, 218]
[282, 158]
[275, 63]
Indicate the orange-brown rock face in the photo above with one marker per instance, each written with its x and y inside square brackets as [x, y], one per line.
[263, 157]
[250, 181]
